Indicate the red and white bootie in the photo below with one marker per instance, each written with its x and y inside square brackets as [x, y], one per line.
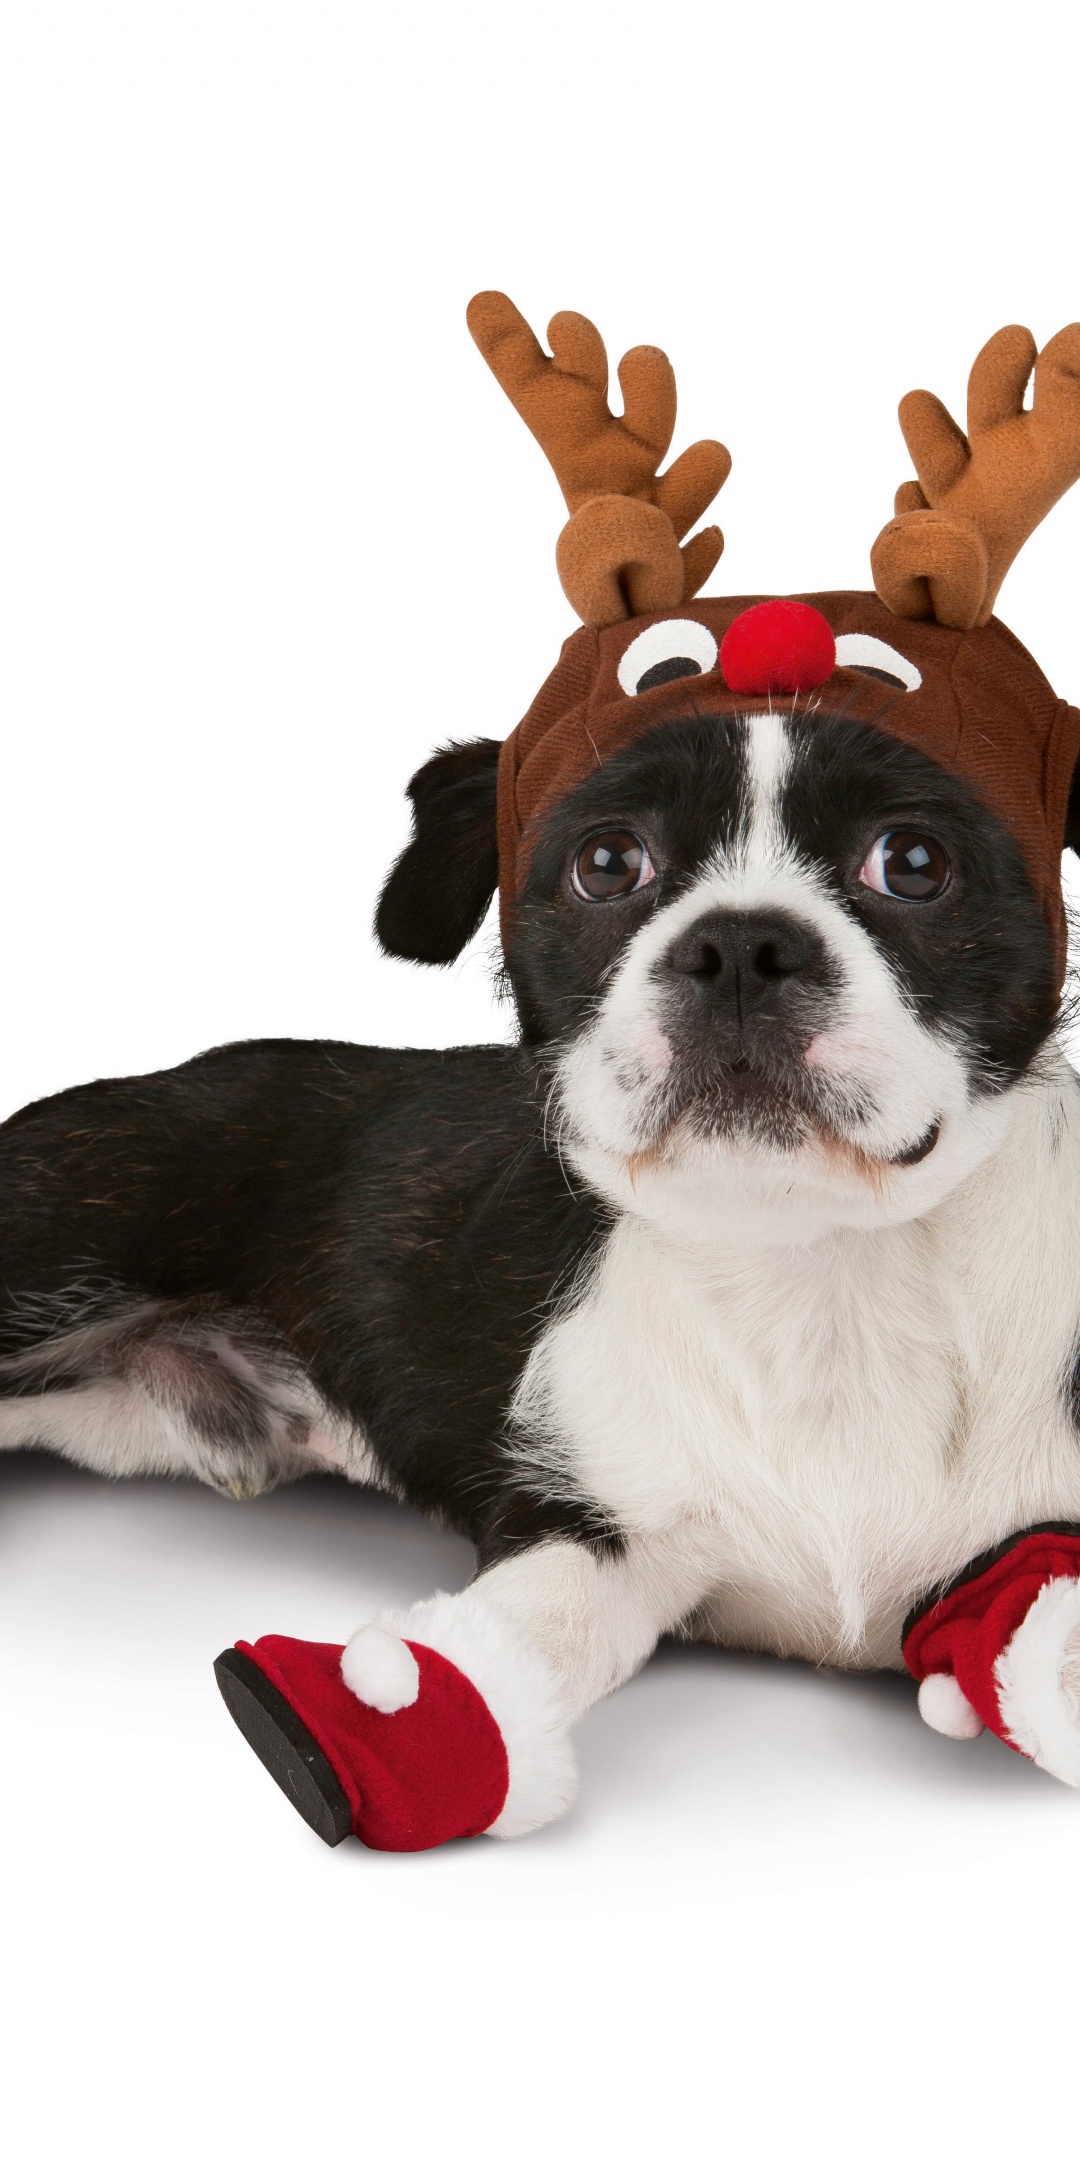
[1001, 1648]
[439, 1723]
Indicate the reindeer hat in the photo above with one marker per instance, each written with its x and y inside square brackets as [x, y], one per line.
[922, 658]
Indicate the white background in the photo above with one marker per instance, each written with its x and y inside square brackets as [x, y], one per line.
[268, 532]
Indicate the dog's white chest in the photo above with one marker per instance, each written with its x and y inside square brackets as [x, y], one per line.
[835, 1427]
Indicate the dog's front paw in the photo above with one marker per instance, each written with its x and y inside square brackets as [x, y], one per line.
[1002, 1648]
[438, 1723]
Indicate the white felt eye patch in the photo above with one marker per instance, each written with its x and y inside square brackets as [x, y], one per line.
[665, 651]
[872, 656]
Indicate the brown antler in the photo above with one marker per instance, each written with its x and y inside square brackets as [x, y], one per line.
[980, 495]
[619, 555]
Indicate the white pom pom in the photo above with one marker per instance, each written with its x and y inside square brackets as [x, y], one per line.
[944, 1705]
[380, 1669]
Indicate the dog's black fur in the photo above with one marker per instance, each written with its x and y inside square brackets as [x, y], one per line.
[389, 1219]
[398, 1224]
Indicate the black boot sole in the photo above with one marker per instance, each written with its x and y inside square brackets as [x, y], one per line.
[284, 1746]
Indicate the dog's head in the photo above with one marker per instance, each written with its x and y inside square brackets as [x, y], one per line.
[780, 881]
[780, 963]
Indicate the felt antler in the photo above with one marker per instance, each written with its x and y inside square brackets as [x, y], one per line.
[980, 495]
[619, 555]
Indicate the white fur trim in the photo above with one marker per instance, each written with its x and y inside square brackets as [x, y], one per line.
[944, 1705]
[520, 1689]
[1040, 1715]
[378, 1667]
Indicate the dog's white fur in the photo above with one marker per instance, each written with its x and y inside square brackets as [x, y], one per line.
[841, 1423]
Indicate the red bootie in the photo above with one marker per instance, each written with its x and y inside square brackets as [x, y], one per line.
[395, 1741]
[994, 1649]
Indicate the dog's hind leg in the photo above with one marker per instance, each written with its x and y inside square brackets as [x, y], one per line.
[177, 1387]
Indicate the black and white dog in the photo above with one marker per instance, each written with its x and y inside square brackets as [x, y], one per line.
[739, 1298]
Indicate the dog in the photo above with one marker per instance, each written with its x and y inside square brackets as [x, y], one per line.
[739, 1298]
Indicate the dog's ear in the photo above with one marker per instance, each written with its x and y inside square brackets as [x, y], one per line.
[1072, 814]
[438, 892]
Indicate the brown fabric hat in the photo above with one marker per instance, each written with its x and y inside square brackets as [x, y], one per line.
[982, 709]
[969, 695]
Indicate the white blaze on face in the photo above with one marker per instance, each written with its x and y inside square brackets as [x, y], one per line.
[768, 759]
[886, 1078]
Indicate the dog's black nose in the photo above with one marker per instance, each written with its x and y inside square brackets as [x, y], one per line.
[746, 959]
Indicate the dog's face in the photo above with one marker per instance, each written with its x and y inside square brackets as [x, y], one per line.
[782, 968]
[781, 972]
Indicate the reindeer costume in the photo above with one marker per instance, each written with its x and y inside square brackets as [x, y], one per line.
[416, 1734]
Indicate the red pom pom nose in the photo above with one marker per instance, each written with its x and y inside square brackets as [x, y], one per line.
[780, 645]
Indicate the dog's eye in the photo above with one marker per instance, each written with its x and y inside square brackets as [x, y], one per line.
[907, 866]
[663, 652]
[610, 865]
[871, 656]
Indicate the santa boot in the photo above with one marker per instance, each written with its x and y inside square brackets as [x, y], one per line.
[434, 1724]
[1001, 1647]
